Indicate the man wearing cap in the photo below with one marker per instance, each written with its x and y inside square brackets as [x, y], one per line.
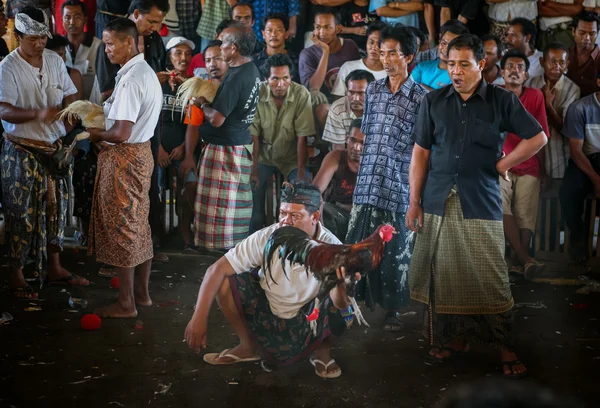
[35, 86]
[270, 319]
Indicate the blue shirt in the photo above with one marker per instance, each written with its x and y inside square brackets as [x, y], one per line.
[261, 8]
[388, 122]
[411, 20]
[429, 74]
[583, 123]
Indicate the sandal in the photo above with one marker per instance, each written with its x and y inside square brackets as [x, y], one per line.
[24, 292]
[325, 374]
[107, 272]
[211, 358]
[190, 250]
[513, 375]
[393, 322]
[533, 269]
[68, 281]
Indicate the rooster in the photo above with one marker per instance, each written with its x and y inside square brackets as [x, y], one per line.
[323, 259]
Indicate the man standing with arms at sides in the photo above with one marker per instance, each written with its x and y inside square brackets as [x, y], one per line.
[493, 53]
[381, 192]
[34, 87]
[119, 229]
[457, 266]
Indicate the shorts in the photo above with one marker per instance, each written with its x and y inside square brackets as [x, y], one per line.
[520, 197]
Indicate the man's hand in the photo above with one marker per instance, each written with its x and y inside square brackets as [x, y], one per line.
[195, 334]
[503, 172]
[301, 174]
[254, 178]
[199, 101]
[163, 158]
[338, 294]
[359, 30]
[163, 76]
[48, 115]
[319, 43]
[549, 95]
[186, 166]
[291, 33]
[94, 134]
[178, 153]
[175, 80]
[414, 212]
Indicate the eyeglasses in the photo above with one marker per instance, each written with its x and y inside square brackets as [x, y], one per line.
[518, 67]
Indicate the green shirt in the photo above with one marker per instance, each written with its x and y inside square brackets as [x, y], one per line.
[213, 12]
[279, 130]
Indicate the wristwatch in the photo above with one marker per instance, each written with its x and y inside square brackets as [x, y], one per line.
[204, 104]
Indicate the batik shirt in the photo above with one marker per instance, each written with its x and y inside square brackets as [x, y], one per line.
[388, 122]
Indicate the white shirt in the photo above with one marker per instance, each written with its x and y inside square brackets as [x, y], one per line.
[339, 88]
[85, 62]
[506, 11]
[548, 22]
[137, 98]
[339, 119]
[288, 296]
[535, 67]
[24, 86]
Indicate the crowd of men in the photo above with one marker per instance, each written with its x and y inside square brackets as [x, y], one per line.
[429, 116]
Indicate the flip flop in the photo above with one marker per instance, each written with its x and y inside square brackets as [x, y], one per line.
[335, 374]
[211, 358]
[107, 272]
[533, 269]
[67, 281]
[393, 322]
[513, 375]
[27, 293]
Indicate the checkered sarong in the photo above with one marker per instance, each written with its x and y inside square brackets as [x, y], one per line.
[466, 256]
[223, 206]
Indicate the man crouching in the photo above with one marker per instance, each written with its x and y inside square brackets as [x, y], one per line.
[270, 319]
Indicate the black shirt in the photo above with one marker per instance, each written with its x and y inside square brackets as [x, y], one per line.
[352, 15]
[236, 99]
[170, 128]
[3, 49]
[120, 7]
[470, 9]
[261, 58]
[154, 53]
[465, 139]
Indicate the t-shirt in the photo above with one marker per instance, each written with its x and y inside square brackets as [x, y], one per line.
[170, 128]
[411, 20]
[353, 15]
[197, 67]
[535, 67]
[533, 101]
[429, 74]
[236, 99]
[311, 56]
[339, 89]
[290, 293]
[583, 123]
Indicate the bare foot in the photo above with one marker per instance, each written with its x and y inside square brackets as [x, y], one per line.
[451, 348]
[57, 275]
[116, 311]
[142, 297]
[511, 365]
[240, 351]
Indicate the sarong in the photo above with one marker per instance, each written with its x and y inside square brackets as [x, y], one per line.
[119, 228]
[34, 203]
[223, 206]
[387, 285]
[282, 341]
[84, 175]
[458, 271]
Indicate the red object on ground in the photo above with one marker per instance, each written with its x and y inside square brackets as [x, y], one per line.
[91, 322]
[114, 283]
[313, 316]
[579, 306]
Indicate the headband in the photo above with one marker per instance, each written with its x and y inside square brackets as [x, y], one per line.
[299, 195]
[28, 26]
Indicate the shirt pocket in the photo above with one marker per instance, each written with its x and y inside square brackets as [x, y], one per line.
[485, 134]
[55, 95]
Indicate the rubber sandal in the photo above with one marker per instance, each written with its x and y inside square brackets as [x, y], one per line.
[393, 322]
[211, 358]
[533, 269]
[511, 364]
[107, 273]
[160, 257]
[67, 281]
[28, 291]
[335, 374]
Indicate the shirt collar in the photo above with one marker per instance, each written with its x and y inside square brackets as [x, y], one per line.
[127, 67]
[268, 96]
[405, 88]
[481, 90]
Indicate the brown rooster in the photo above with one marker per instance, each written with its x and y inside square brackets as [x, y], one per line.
[322, 259]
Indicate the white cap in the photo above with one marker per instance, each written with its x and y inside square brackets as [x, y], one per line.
[175, 41]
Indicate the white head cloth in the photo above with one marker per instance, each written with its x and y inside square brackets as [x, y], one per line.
[29, 26]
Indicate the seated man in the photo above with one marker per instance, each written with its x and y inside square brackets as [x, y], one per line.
[338, 172]
[345, 110]
[282, 123]
[270, 319]
[582, 127]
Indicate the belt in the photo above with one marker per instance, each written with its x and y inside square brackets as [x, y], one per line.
[108, 13]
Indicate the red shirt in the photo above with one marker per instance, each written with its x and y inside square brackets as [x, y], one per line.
[196, 62]
[90, 6]
[533, 101]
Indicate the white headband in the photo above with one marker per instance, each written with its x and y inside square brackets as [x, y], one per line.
[28, 26]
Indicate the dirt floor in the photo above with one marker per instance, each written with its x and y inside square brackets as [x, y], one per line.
[47, 360]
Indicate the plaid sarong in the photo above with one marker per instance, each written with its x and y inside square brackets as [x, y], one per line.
[223, 206]
[119, 229]
[34, 203]
[467, 258]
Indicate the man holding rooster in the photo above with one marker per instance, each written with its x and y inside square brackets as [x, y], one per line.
[269, 314]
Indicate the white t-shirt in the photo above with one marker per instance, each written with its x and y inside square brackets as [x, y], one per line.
[288, 296]
[339, 88]
[85, 62]
[24, 86]
[535, 67]
[137, 98]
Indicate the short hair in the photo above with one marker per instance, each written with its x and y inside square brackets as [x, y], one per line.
[212, 43]
[527, 27]
[359, 75]
[277, 60]
[419, 34]
[239, 4]
[34, 13]
[555, 45]
[145, 6]
[123, 27]
[588, 17]
[496, 39]
[375, 26]
[320, 10]
[469, 42]
[243, 38]
[56, 42]
[223, 25]
[74, 3]
[514, 53]
[455, 27]
[277, 16]
[288, 188]
[402, 34]
[356, 123]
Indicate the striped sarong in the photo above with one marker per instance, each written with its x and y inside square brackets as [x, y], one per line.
[223, 206]
[119, 229]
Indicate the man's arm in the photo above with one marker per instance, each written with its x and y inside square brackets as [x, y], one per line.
[328, 168]
[583, 162]
[318, 76]
[524, 150]
[118, 133]
[302, 155]
[444, 15]
[12, 114]
[416, 180]
[548, 8]
[329, 3]
[429, 14]
[469, 10]
[214, 117]
[399, 9]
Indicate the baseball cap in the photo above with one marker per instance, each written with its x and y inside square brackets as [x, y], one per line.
[175, 41]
